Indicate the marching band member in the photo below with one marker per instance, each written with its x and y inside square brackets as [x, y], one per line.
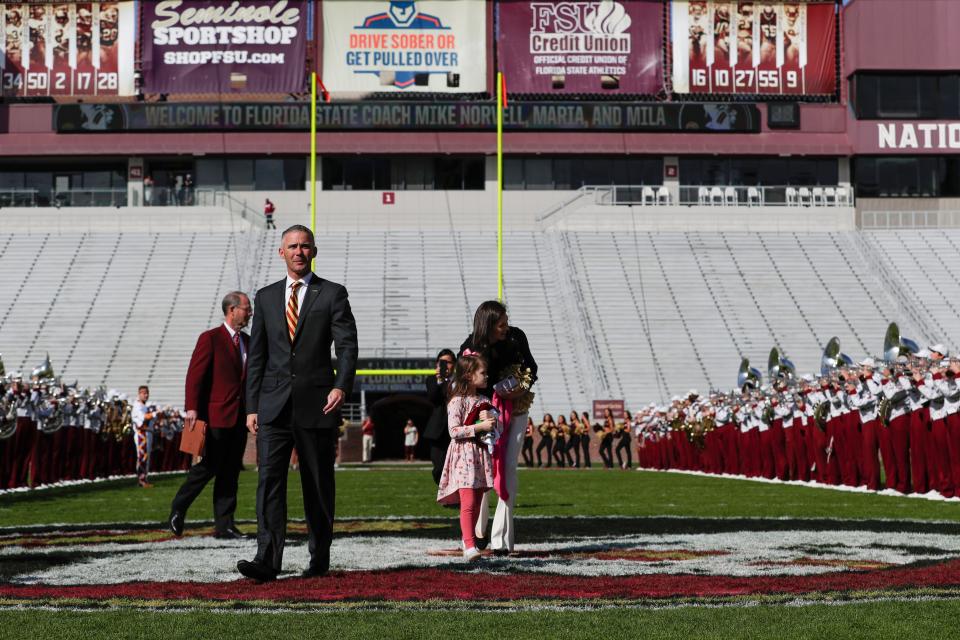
[941, 476]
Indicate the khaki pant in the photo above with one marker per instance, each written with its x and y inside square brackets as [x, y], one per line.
[502, 532]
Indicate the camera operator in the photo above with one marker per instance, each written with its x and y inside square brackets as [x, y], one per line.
[436, 431]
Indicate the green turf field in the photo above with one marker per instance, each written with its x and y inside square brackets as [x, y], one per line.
[375, 492]
[383, 492]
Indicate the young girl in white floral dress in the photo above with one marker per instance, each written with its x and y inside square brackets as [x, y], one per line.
[468, 469]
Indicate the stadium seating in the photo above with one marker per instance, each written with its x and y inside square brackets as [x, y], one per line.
[622, 313]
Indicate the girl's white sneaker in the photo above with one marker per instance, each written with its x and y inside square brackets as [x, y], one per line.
[471, 554]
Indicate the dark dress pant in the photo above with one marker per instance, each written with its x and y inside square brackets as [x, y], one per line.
[316, 450]
[221, 462]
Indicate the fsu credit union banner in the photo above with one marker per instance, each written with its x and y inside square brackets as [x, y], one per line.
[600, 46]
[436, 46]
[770, 47]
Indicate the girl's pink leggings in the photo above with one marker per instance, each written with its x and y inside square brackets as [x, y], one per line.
[469, 512]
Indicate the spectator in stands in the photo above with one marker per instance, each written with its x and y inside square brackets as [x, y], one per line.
[143, 416]
[367, 430]
[178, 190]
[436, 431]
[215, 395]
[148, 190]
[528, 443]
[268, 210]
[504, 348]
[546, 429]
[410, 439]
[188, 190]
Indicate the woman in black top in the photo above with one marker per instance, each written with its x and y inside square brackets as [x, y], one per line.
[436, 431]
[528, 443]
[502, 346]
[606, 439]
[546, 429]
[623, 442]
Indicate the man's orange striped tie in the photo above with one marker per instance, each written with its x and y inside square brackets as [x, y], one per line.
[292, 314]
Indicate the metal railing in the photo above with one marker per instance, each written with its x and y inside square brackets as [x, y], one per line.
[69, 198]
[766, 196]
[908, 305]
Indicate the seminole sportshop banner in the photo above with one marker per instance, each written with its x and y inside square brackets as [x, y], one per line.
[436, 46]
[766, 48]
[224, 46]
[66, 48]
[582, 47]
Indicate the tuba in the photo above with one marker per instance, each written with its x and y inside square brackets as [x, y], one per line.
[895, 345]
[44, 371]
[748, 376]
[833, 359]
[8, 417]
[53, 422]
[779, 367]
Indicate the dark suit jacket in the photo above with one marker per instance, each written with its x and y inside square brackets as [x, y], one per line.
[278, 371]
[215, 379]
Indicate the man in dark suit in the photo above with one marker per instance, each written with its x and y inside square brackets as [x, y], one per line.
[293, 397]
[215, 394]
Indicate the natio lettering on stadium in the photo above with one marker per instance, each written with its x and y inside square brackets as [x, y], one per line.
[938, 135]
[274, 13]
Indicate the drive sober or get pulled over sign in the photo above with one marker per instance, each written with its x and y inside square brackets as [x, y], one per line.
[436, 46]
[213, 46]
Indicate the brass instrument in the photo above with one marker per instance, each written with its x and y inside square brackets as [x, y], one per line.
[44, 371]
[895, 345]
[748, 376]
[833, 359]
[8, 417]
[779, 367]
[821, 413]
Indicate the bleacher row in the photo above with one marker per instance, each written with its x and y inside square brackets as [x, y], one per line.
[636, 315]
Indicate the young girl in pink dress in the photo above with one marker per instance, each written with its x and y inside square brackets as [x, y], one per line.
[468, 469]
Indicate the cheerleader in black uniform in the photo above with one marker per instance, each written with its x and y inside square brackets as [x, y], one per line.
[623, 442]
[528, 443]
[585, 438]
[561, 431]
[546, 439]
[606, 439]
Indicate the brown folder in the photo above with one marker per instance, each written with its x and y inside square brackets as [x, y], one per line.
[192, 439]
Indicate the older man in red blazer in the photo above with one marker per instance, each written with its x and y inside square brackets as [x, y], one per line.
[215, 394]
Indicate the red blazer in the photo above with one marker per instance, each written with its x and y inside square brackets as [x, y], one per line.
[216, 379]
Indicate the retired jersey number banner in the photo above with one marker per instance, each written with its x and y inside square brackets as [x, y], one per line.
[224, 46]
[66, 48]
[436, 46]
[769, 48]
[582, 47]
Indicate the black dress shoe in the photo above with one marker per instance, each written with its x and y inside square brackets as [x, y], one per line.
[482, 543]
[231, 533]
[314, 572]
[501, 553]
[256, 571]
[176, 523]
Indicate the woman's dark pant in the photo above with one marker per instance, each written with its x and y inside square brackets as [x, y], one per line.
[528, 451]
[545, 443]
[624, 445]
[606, 453]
